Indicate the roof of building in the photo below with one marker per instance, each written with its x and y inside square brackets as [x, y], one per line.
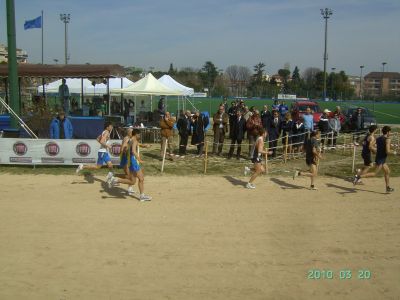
[380, 75]
[67, 71]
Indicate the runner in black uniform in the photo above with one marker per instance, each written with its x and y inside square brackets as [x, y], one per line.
[257, 158]
[382, 151]
[312, 149]
[369, 147]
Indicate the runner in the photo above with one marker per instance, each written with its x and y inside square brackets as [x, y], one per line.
[103, 157]
[257, 158]
[368, 147]
[382, 151]
[135, 170]
[312, 149]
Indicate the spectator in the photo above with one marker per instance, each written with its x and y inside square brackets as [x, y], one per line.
[338, 111]
[357, 121]
[220, 127]
[247, 113]
[308, 119]
[287, 130]
[184, 129]
[167, 125]
[199, 124]
[61, 127]
[276, 105]
[232, 117]
[266, 117]
[283, 109]
[237, 134]
[115, 107]
[324, 128]
[298, 135]
[63, 93]
[335, 127]
[274, 131]
[253, 126]
[161, 107]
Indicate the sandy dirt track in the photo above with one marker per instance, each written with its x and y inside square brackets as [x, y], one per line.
[69, 237]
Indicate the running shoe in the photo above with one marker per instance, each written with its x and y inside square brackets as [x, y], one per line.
[109, 176]
[144, 197]
[112, 182]
[250, 186]
[131, 191]
[295, 174]
[389, 189]
[313, 188]
[246, 170]
[356, 179]
[79, 168]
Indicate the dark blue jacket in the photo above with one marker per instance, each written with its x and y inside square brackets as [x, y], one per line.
[55, 129]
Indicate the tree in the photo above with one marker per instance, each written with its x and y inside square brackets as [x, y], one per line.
[171, 70]
[208, 74]
[258, 79]
[296, 74]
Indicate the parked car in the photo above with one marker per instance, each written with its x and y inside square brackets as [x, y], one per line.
[369, 119]
[298, 109]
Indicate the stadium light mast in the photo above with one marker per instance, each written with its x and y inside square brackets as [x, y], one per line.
[361, 94]
[65, 18]
[326, 13]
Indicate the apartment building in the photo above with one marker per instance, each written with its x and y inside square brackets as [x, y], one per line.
[381, 84]
[22, 56]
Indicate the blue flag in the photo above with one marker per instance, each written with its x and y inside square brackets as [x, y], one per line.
[35, 23]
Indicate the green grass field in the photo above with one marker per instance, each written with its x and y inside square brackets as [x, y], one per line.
[385, 113]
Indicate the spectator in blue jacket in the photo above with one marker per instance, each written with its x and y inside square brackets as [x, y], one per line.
[61, 127]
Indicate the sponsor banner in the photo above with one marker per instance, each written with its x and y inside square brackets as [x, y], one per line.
[53, 152]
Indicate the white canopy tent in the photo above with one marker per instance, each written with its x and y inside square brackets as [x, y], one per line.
[175, 85]
[149, 86]
[78, 85]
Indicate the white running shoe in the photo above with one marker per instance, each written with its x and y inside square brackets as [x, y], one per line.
[144, 197]
[79, 168]
[295, 174]
[250, 186]
[131, 191]
[109, 176]
[112, 182]
[313, 188]
[246, 170]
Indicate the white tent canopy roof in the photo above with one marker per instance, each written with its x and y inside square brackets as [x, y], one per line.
[148, 85]
[74, 86]
[175, 85]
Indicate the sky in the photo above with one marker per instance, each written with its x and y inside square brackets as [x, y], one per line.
[187, 33]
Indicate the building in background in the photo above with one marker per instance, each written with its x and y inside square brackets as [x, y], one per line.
[378, 84]
[22, 55]
[354, 82]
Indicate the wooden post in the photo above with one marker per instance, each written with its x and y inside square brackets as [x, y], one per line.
[205, 156]
[164, 154]
[354, 158]
[344, 143]
[266, 160]
[332, 138]
[286, 147]
[319, 150]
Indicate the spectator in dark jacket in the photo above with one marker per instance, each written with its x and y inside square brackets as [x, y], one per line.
[323, 126]
[287, 130]
[274, 131]
[220, 127]
[184, 129]
[237, 135]
[298, 135]
[357, 123]
[266, 117]
[61, 127]
[232, 116]
[199, 124]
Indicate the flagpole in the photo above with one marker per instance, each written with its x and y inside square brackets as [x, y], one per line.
[42, 37]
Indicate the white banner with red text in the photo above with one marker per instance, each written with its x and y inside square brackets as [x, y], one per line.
[53, 152]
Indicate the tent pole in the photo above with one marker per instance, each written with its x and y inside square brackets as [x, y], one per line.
[81, 101]
[109, 96]
[135, 121]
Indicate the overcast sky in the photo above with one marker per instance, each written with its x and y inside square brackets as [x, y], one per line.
[155, 33]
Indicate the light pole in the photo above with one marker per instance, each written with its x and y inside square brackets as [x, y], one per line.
[65, 18]
[326, 13]
[383, 74]
[332, 77]
[361, 94]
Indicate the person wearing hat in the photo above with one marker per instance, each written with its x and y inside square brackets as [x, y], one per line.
[323, 126]
[61, 127]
